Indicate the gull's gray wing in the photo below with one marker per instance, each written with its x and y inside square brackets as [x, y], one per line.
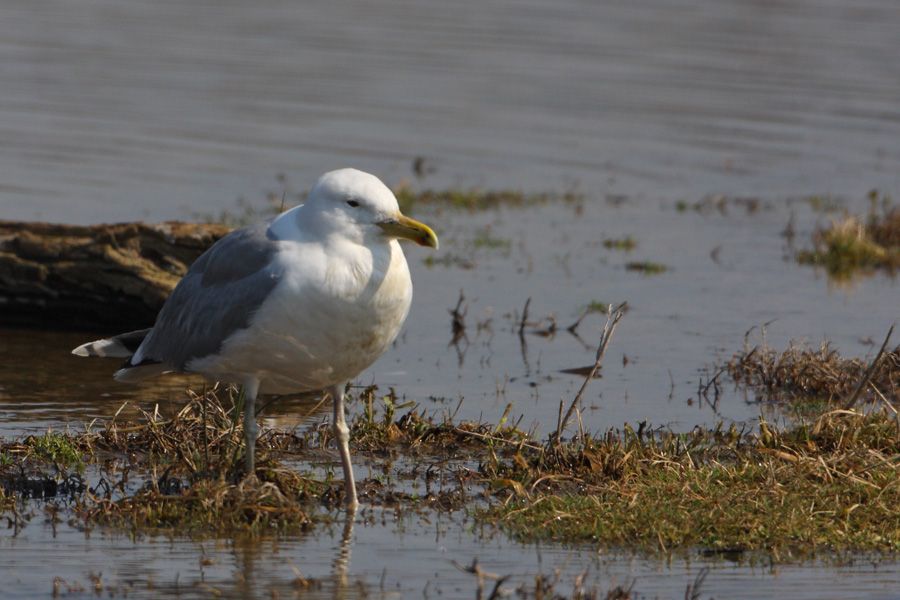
[217, 297]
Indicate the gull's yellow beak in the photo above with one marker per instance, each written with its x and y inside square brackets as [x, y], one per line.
[409, 229]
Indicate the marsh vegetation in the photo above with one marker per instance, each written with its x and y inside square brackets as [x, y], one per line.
[851, 244]
[822, 484]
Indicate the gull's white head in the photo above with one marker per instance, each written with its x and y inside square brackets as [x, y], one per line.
[359, 206]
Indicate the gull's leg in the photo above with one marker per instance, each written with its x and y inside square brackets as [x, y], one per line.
[342, 433]
[251, 388]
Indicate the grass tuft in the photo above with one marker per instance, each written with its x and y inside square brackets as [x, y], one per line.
[56, 448]
[596, 306]
[206, 506]
[813, 376]
[850, 244]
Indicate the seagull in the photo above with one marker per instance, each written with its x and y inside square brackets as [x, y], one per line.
[303, 302]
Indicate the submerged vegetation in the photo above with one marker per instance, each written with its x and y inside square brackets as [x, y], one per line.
[626, 243]
[474, 199]
[485, 239]
[646, 267]
[852, 244]
[720, 203]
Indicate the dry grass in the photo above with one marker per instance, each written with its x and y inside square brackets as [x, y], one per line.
[204, 506]
[417, 433]
[813, 374]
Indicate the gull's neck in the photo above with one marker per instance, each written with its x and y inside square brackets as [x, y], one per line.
[302, 223]
[289, 225]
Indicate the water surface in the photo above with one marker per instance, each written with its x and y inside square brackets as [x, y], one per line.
[113, 111]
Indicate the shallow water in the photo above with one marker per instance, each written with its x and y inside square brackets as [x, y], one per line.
[119, 111]
[679, 322]
[391, 558]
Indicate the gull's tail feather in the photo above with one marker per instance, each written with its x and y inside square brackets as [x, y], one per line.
[118, 346]
[132, 373]
[125, 346]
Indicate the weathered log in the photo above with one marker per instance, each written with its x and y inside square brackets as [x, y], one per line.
[99, 277]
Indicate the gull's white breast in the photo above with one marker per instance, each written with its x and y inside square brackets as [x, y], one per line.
[335, 311]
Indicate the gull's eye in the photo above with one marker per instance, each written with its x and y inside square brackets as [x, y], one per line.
[352, 203]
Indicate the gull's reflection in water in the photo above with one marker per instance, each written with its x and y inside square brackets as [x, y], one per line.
[342, 560]
[253, 576]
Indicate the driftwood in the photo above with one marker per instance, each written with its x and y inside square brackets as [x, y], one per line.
[99, 277]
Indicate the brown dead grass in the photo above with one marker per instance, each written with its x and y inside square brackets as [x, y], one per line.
[805, 373]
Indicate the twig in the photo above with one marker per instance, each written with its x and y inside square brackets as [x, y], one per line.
[559, 416]
[458, 324]
[480, 575]
[475, 569]
[613, 316]
[571, 328]
[495, 593]
[693, 589]
[523, 344]
[888, 404]
[496, 439]
[524, 320]
[203, 400]
[884, 399]
[870, 371]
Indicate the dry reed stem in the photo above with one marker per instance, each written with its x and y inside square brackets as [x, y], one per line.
[613, 316]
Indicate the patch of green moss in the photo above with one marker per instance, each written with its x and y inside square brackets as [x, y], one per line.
[56, 448]
[598, 307]
[626, 243]
[646, 267]
[448, 259]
